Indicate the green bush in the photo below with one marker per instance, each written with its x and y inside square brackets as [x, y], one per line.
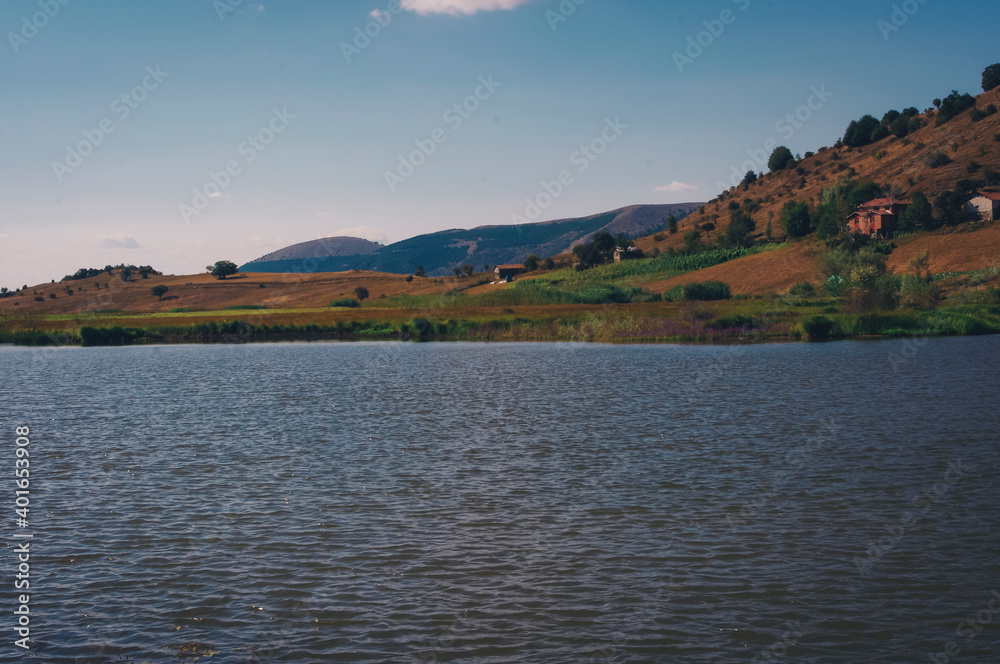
[709, 290]
[803, 289]
[818, 328]
[346, 302]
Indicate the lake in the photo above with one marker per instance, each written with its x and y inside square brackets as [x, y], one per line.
[404, 502]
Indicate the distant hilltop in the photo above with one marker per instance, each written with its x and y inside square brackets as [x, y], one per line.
[439, 253]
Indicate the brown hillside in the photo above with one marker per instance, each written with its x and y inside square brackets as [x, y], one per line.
[204, 292]
[902, 168]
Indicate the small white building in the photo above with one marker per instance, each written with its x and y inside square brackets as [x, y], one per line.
[985, 206]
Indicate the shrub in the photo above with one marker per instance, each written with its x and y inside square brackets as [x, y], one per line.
[937, 159]
[345, 302]
[859, 132]
[953, 105]
[780, 159]
[803, 289]
[818, 328]
[795, 219]
[707, 291]
[991, 77]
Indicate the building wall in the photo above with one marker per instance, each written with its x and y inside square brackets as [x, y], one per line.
[982, 206]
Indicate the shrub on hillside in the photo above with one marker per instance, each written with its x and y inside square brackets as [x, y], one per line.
[345, 302]
[780, 159]
[953, 105]
[707, 291]
[991, 77]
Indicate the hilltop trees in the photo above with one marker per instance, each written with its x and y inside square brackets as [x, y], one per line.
[991, 77]
[222, 269]
[859, 132]
[953, 105]
[780, 159]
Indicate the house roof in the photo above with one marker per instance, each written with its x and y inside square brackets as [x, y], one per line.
[509, 267]
[885, 202]
[992, 195]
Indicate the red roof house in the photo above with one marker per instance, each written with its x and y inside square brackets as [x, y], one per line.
[877, 218]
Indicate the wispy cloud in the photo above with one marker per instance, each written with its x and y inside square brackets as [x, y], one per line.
[117, 242]
[460, 7]
[676, 187]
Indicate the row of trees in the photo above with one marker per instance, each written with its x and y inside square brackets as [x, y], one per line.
[126, 272]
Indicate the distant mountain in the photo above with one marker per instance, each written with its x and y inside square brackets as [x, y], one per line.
[485, 245]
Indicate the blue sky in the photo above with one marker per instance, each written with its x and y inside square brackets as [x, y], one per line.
[120, 119]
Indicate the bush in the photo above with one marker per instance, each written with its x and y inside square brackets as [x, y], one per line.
[953, 105]
[859, 132]
[346, 302]
[795, 219]
[707, 291]
[780, 159]
[937, 159]
[802, 289]
[818, 328]
[991, 77]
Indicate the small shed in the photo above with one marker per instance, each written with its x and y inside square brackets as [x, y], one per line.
[507, 272]
[985, 206]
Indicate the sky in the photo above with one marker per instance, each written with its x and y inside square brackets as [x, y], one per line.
[175, 133]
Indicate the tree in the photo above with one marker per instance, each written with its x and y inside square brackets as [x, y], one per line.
[222, 269]
[953, 105]
[795, 219]
[531, 263]
[468, 269]
[692, 242]
[739, 233]
[859, 132]
[409, 278]
[920, 214]
[748, 179]
[780, 159]
[362, 293]
[420, 272]
[457, 271]
[550, 263]
[671, 224]
[991, 77]
[160, 291]
[126, 273]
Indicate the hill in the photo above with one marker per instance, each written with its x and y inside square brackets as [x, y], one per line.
[440, 252]
[900, 166]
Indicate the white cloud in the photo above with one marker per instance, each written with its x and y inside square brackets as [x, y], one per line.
[117, 242]
[377, 14]
[365, 232]
[219, 194]
[459, 7]
[676, 187]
